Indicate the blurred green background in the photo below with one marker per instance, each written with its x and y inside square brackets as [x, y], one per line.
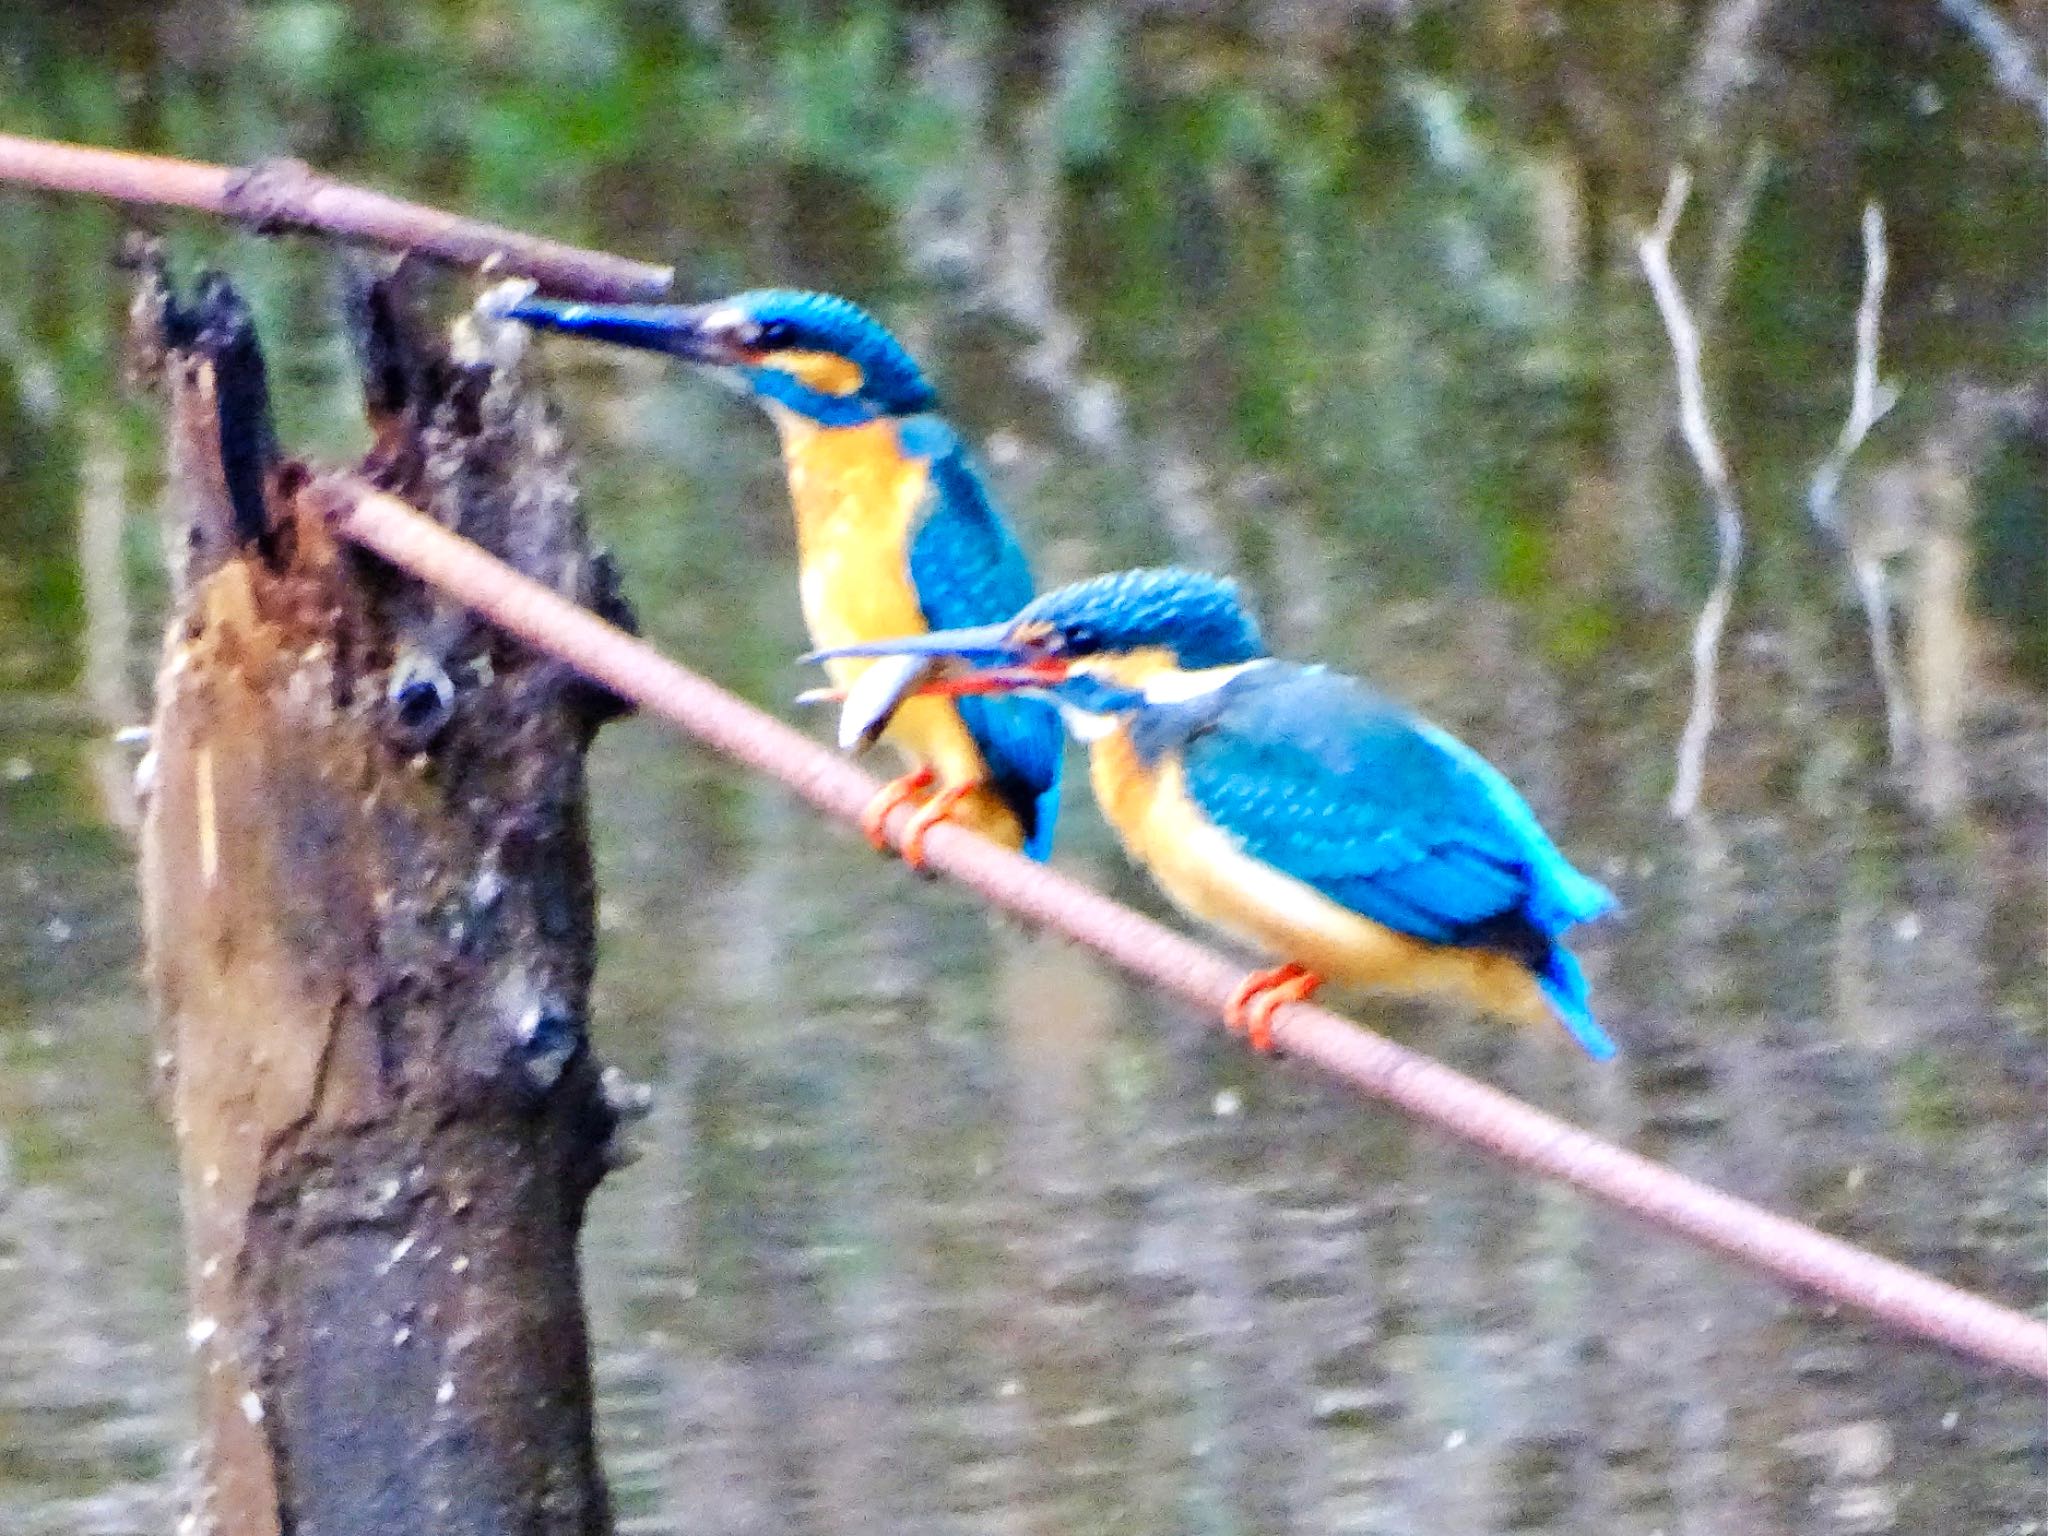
[941, 1229]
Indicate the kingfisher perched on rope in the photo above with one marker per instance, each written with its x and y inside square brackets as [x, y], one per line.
[1289, 806]
[896, 535]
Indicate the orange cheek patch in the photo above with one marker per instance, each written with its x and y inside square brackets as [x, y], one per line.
[1129, 669]
[826, 372]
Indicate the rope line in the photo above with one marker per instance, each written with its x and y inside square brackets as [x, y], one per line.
[1481, 1116]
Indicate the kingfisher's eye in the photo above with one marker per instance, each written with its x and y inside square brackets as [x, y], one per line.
[1080, 639]
[770, 334]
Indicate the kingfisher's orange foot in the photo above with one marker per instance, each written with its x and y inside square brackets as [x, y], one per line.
[929, 815]
[1251, 1007]
[874, 821]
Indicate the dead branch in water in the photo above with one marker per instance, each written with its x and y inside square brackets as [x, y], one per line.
[1653, 248]
[1869, 397]
[289, 197]
[1869, 401]
[2012, 60]
[370, 915]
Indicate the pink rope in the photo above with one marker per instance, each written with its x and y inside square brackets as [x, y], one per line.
[1486, 1118]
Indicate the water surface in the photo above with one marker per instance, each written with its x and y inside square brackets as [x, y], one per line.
[940, 1228]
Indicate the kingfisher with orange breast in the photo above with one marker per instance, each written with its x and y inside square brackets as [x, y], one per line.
[896, 535]
[1289, 806]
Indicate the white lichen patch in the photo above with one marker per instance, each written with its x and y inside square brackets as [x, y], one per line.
[397, 1254]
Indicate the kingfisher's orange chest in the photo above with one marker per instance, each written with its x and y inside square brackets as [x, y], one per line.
[1126, 789]
[856, 495]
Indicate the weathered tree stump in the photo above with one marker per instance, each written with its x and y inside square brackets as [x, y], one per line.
[370, 915]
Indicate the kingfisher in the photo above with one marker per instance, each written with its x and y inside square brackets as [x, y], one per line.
[896, 535]
[1292, 807]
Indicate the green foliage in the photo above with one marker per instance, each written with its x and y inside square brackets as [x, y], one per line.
[1325, 263]
[1087, 99]
[1931, 1102]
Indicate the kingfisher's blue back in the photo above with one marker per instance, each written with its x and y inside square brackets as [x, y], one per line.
[1315, 774]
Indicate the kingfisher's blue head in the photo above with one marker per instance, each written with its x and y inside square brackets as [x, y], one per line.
[1183, 619]
[1102, 647]
[816, 354]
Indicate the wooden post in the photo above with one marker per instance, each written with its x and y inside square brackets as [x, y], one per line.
[369, 906]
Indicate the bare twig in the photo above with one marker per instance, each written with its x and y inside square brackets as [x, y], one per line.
[1869, 399]
[280, 196]
[1727, 60]
[1731, 228]
[1873, 592]
[2012, 61]
[1484, 1117]
[1653, 248]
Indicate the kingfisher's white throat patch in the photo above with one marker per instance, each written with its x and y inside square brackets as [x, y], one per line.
[1086, 724]
[1174, 686]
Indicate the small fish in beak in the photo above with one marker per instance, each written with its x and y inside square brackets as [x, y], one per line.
[948, 662]
[879, 692]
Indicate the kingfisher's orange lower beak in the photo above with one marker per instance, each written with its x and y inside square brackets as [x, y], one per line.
[1001, 679]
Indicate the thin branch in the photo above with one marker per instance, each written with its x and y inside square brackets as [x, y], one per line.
[2012, 61]
[287, 196]
[1873, 591]
[1731, 228]
[1870, 398]
[1653, 248]
[1486, 1118]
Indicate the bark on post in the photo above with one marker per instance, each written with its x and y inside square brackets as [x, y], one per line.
[369, 906]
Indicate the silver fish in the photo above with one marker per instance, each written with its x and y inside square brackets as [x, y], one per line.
[867, 707]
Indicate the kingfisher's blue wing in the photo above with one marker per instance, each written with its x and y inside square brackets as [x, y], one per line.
[967, 568]
[1315, 774]
[1318, 776]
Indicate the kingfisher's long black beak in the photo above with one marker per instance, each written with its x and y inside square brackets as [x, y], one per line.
[987, 658]
[982, 645]
[679, 330]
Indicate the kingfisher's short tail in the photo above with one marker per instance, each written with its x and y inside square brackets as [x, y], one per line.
[1563, 986]
[1041, 823]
